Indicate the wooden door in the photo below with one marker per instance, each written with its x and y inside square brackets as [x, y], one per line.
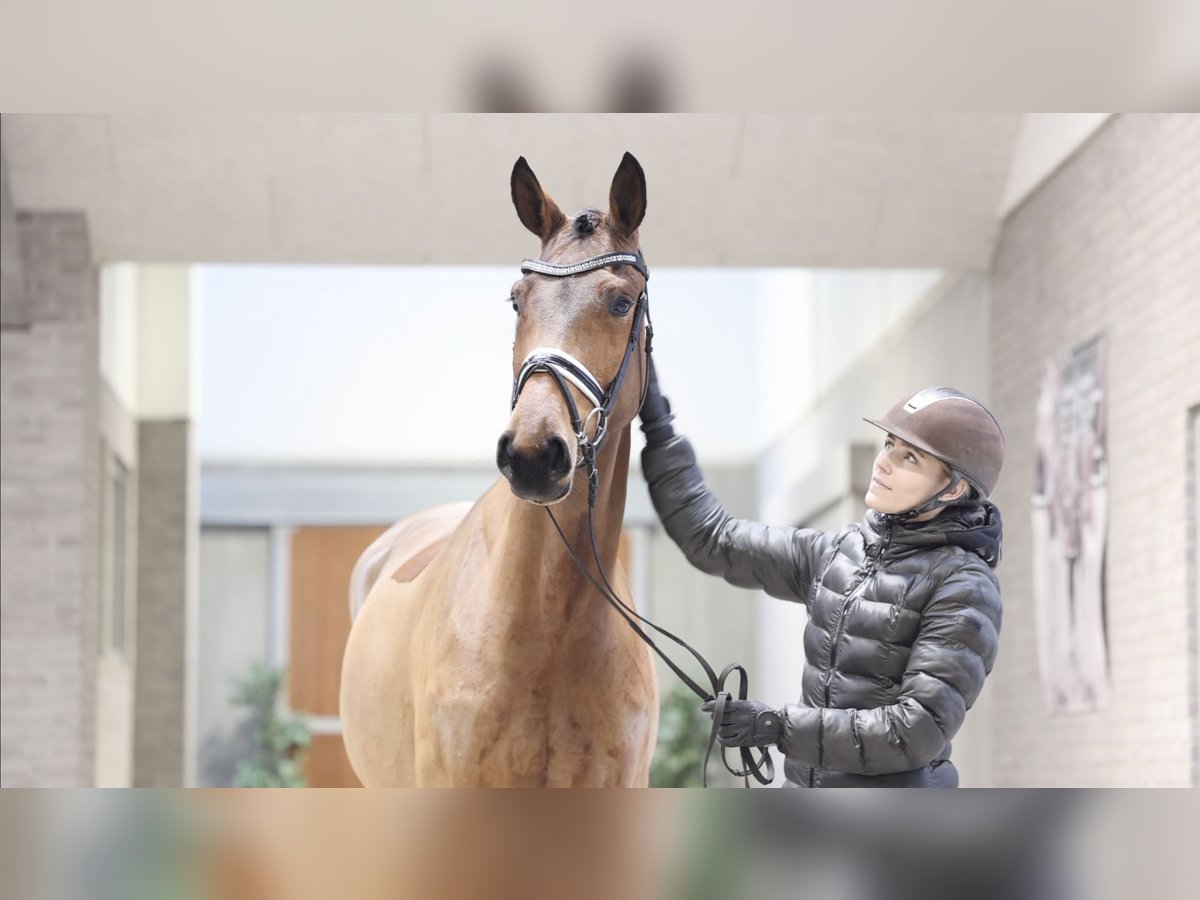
[322, 560]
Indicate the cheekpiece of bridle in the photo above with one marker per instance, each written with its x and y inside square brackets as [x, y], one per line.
[566, 370]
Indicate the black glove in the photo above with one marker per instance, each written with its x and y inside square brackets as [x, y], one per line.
[655, 411]
[747, 723]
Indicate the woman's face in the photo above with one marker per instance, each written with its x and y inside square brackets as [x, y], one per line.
[904, 477]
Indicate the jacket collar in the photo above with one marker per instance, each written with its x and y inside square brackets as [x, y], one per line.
[977, 528]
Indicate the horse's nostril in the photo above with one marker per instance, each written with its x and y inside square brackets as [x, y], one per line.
[560, 458]
[537, 469]
[504, 454]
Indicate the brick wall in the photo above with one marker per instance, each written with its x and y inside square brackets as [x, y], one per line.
[1110, 244]
[14, 303]
[158, 754]
[49, 478]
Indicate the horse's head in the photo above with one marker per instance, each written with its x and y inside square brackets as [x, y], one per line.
[588, 317]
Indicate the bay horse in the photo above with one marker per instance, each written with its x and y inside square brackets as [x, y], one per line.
[482, 655]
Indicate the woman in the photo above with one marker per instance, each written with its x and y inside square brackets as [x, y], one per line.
[903, 608]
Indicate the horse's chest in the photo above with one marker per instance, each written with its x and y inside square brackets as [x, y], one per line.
[529, 735]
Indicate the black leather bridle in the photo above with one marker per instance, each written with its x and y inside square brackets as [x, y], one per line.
[565, 369]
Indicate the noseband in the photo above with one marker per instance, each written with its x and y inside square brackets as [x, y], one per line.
[564, 368]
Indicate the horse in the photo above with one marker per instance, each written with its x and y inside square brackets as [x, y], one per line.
[482, 655]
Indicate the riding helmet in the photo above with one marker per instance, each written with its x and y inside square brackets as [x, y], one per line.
[954, 427]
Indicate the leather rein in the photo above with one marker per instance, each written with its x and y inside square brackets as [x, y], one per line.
[566, 370]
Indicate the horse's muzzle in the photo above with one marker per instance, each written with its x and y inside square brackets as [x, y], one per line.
[541, 474]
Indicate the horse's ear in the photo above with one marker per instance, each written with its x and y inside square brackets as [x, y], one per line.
[627, 197]
[536, 209]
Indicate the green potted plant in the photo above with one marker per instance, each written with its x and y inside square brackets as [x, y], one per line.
[683, 730]
[280, 741]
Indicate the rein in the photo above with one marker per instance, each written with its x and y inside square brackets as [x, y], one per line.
[565, 369]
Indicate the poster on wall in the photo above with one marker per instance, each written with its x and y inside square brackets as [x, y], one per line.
[1070, 520]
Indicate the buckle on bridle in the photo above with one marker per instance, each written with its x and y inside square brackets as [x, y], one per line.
[601, 415]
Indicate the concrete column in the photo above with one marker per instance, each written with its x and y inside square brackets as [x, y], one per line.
[168, 531]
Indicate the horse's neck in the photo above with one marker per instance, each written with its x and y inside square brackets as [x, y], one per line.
[549, 578]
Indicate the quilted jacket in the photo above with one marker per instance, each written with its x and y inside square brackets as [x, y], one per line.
[903, 624]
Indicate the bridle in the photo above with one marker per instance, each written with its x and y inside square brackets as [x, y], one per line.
[566, 369]
[563, 367]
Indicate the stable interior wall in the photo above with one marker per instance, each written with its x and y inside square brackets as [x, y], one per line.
[51, 483]
[118, 462]
[1109, 245]
[147, 570]
[234, 607]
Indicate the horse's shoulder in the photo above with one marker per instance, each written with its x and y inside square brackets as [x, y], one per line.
[405, 550]
[421, 537]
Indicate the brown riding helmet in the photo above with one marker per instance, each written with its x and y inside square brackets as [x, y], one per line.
[954, 427]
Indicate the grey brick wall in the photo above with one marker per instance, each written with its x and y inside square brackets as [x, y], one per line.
[14, 305]
[49, 480]
[161, 605]
[1110, 244]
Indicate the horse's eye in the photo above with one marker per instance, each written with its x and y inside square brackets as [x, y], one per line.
[513, 301]
[621, 305]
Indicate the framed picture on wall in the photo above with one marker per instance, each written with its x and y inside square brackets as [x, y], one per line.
[1070, 523]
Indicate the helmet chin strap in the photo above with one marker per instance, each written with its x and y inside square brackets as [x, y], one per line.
[932, 503]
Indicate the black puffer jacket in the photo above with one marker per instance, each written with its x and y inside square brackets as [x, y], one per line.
[903, 624]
